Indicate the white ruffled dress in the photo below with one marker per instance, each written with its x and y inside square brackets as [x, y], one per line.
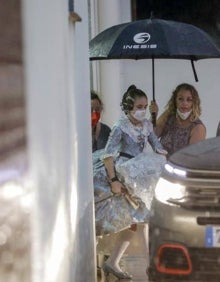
[139, 175]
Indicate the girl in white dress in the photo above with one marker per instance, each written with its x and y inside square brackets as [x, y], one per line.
[119, 206]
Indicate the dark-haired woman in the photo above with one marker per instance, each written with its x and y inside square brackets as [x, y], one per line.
[129, 138]
[100, 130]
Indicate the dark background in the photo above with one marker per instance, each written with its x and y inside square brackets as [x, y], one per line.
[204, 14]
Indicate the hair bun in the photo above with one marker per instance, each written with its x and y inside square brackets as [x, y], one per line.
[131, 87]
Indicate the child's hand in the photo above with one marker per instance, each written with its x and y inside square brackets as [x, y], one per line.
[117, 187]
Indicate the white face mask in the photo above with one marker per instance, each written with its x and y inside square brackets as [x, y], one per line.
[183, 116]
[139, 114]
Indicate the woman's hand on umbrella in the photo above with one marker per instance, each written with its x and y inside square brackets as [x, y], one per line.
[153, 108]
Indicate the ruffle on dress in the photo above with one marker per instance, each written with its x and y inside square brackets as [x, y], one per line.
[134, 131]
[140, 175]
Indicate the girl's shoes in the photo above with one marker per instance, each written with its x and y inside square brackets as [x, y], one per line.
[119, 274]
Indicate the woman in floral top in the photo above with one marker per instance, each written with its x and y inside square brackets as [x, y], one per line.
[180, 125]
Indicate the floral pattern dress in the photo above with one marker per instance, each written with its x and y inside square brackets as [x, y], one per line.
[174, 137]
[113, 212]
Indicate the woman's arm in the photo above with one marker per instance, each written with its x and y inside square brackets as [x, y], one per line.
[161, 121]
[198, 133]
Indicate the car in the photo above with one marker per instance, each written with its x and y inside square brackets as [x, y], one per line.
[184, 230]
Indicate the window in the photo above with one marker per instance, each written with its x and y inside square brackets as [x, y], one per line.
[197, 12]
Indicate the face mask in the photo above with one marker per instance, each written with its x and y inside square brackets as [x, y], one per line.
[95, 118]
[139, 115]
[183, 116]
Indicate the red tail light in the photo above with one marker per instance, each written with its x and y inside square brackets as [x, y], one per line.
[173, 259]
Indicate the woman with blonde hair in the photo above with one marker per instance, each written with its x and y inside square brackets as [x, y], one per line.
[180, 125]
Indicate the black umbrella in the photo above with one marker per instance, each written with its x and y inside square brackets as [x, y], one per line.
[153, 38]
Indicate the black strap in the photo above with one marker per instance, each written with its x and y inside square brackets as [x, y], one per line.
[122, 154]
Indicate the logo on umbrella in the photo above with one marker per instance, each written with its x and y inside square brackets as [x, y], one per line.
[141, 38]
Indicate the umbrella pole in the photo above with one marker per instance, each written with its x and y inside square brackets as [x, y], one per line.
[194, 71]
[153, 79]
[153, 115]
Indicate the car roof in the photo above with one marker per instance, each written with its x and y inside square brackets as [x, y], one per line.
[204, 155]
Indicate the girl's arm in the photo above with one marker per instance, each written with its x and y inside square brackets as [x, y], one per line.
[108, 159]
[116, 185]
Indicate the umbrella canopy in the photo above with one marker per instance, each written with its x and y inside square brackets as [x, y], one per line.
[153, 38]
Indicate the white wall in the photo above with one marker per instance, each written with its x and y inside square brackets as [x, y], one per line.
[107, 75]
[59, 141]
